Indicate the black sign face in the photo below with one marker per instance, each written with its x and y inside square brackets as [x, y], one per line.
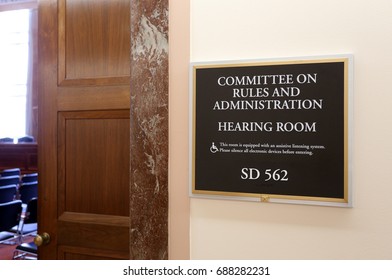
[275, 130]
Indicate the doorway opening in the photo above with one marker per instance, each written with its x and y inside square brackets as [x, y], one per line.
[18, 113]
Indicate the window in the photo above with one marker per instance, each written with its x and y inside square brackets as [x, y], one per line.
[14, 67]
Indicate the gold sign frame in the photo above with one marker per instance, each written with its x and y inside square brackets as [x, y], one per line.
[346, 201]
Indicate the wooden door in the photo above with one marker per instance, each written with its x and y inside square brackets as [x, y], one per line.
[83, 144]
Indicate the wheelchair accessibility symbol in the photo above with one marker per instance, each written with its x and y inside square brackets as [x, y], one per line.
[213, 148]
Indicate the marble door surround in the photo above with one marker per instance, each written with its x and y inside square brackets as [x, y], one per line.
[149, 129]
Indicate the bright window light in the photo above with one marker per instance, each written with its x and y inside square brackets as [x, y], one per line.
[14, 45]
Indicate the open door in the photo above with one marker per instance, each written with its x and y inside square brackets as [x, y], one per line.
[83, 154]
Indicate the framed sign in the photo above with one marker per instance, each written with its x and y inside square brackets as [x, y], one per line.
[276, 131]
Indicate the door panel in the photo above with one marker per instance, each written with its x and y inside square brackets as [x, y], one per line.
[81, 256]
[83, 153]
[94, 38]
[94, 162]
[93, 235]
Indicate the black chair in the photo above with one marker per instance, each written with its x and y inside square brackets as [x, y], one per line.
[7, 193]
[10, 180]
[26, 139]
[10, 172]
[28, 178]
[9, 217]
[27, 250]
[27, 191]
[28, 221]
[6, 140]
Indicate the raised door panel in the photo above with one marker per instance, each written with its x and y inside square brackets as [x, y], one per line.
[70, 253]
[102, 236]
[94, 42]
[94, 162]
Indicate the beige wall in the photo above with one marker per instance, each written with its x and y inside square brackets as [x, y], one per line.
[178, 129]
[257, 29]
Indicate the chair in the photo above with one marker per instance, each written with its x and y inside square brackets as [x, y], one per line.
[28, 250]
[28, 178]
[26, 139]
[27, 191]
[25, 251]
[7, 193]
[10, 172]
[9, 217]
[28, 221]
[6, 140]
[10, 180]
